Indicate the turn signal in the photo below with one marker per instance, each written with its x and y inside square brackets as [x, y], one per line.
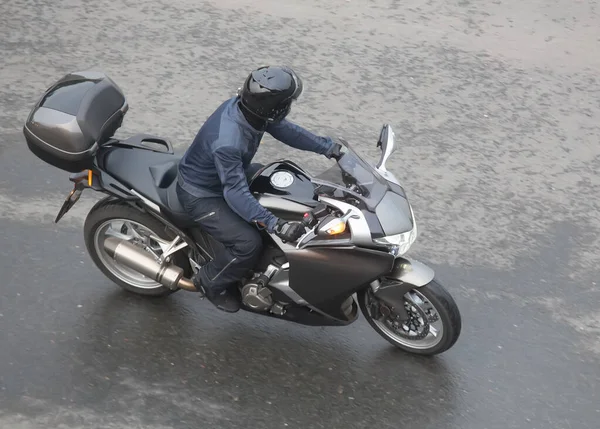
[336, 227]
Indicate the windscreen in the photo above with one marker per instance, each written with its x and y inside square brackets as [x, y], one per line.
[355, 176]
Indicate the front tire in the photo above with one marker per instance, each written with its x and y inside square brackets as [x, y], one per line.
[118, 219]
[434, 322]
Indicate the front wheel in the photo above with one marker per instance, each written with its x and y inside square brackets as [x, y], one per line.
[433, 323]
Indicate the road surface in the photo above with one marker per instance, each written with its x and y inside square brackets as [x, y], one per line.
[495, 107]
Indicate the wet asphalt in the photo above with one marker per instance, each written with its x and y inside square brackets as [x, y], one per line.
[496, 110]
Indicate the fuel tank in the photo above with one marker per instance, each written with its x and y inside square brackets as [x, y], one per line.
[284, 189]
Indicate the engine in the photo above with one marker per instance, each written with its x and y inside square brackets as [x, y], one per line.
[256, 296]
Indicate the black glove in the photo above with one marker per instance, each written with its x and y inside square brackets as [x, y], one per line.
[336, 151]
[289, 231]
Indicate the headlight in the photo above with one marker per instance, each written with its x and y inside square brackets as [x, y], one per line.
[399, 243]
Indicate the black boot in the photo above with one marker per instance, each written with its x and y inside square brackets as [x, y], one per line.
[225, 300]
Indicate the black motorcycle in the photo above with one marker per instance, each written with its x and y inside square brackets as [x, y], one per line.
[358, 221]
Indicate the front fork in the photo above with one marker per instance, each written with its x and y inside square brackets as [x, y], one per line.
[405, 276]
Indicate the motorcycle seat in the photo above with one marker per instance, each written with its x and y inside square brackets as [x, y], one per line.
[151, 174]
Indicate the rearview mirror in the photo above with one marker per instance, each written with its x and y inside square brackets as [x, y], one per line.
[387, 144]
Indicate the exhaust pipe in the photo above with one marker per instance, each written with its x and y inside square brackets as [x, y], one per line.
[131, 256]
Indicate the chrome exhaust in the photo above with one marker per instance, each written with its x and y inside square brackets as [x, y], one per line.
[133, 257]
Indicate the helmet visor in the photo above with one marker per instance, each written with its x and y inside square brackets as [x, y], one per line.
[299, 87]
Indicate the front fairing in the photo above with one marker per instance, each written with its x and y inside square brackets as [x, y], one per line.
[352, 181]
[356, 182]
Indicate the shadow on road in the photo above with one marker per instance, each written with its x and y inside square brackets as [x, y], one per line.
[167, 345]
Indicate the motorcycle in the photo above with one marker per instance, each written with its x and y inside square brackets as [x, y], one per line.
[358, 222]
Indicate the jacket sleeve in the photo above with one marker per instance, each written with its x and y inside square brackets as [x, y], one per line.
[297, 137]
[228, 161]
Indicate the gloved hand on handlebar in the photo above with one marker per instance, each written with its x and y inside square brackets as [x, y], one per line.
[336, 151]
[289, 231]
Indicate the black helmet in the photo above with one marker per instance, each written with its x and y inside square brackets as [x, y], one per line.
[269, 91]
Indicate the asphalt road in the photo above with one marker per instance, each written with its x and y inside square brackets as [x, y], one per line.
[496, 108]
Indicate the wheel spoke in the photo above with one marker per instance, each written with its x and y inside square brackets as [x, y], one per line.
[117, 234]
[133, 231]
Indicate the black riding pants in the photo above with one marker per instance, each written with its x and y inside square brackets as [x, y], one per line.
[242, 242]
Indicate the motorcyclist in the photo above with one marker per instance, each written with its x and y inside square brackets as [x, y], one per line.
[213, 177]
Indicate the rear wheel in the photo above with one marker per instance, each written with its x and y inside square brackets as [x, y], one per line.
[433, 323]
[116, 219]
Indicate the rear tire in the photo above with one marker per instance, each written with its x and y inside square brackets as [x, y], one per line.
[97, 220]
[449, 320]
